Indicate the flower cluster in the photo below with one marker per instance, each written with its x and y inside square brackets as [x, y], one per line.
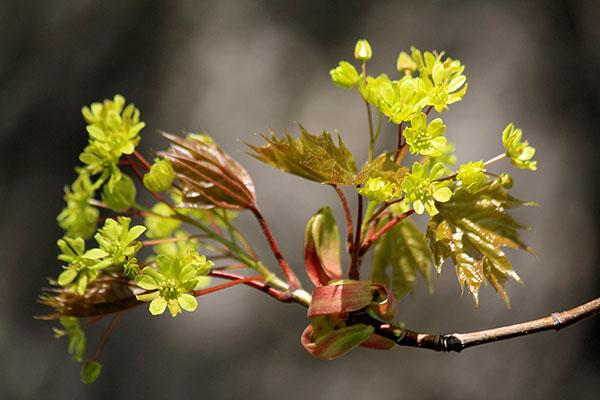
[440, 82]
[79, 218]
[113, 130]
[519, 151]
[171, 282]
[426, 139]
[380, 190]
[423, 189]
[472, 175]
[118, 247]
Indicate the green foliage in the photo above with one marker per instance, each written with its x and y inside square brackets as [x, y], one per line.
[171, 281]
[423, 189]
[472, 229]
[314, 157]
[519, 151]
[401, 254]
[160, 177]
[469, 221]
[322, 248]
[77, 340]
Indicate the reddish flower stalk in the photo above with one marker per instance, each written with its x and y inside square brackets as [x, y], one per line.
[377, 234]
[285, 267]
[229, 284]
[348, 215]
[146, 165]
[257, 284]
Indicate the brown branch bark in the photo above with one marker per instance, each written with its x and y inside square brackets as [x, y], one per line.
[354, 270]
[459, 341]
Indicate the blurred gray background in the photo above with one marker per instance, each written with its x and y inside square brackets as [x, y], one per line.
[237, 68]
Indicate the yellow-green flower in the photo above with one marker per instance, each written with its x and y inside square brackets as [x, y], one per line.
[160, 177]
[171, 283]
[444, 80]
[422, 189]
[519, 151]
[118, 240]
[79, 218]
[472, 175]
[426, 139]
[113, 131]
[405, 64]
[82, 266]
[379, 190]
[344, 75]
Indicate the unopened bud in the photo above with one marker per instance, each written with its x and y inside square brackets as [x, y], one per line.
[362, 51]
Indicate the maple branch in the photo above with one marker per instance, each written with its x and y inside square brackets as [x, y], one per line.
[459, 341]
[353, 272]
[401, 148]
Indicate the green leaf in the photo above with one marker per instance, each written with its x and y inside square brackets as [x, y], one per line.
[209, 177]
[90, 372]
[399, 256]
[322, 248]
[336, 343]
[313, 157]
[472, 229]
[340, 297]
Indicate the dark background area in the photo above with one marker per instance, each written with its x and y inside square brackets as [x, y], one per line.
[235, 69]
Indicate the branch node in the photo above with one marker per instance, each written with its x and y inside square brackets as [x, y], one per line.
[559, 321]
[450, 342]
